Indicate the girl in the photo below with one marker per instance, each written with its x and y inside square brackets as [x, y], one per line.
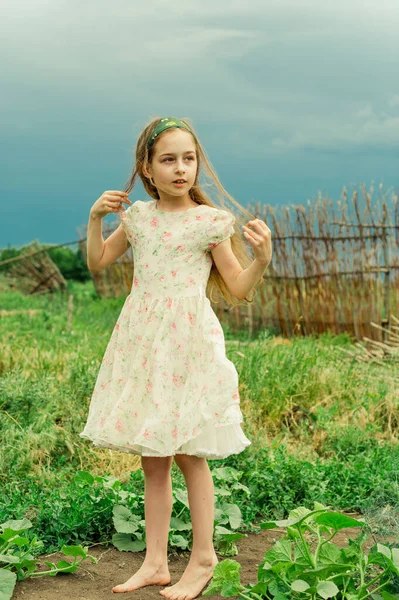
[165, 388]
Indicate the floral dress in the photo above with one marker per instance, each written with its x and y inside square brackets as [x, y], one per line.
[165, 385]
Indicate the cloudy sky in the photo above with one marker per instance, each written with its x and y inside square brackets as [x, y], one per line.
[288, 97]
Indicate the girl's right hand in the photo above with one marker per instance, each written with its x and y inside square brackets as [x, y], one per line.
[109, 202]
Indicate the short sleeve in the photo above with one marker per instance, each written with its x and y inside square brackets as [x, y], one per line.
[128, 219]
[218, 228]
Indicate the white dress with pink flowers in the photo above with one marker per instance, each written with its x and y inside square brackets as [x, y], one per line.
[165, 385]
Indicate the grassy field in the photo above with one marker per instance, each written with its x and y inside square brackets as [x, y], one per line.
[323, 426]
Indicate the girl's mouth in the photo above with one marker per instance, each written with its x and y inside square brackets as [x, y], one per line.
[179, 183]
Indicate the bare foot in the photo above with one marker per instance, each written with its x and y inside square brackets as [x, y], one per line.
[192, 582]
[146, 575]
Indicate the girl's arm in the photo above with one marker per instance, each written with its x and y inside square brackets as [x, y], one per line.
[241, 281]
[100, 253]
[248, 278]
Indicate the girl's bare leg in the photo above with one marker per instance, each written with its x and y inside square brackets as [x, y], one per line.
[158, 510]
[203, 558]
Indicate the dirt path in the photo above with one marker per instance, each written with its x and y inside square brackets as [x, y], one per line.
[95, 581]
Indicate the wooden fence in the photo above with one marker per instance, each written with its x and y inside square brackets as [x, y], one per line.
[335, 267]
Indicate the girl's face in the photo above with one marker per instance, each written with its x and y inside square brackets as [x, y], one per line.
[174, 158]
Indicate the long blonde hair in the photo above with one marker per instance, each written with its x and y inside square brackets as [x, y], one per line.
[145, 156]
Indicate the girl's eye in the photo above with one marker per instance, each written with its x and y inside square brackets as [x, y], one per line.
[189, 158]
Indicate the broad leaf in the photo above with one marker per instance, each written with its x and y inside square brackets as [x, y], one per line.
[221, 491]
[387, 596]
[74, 551]
[230, 588]
[182, 496]
[227, 473]
[226, 573]
[329, 554]
[327, 589]
[304, 513]
[227, 570]
[20, 541]
[9, 559]
[124, 543]
[84, 477]
[384, 556]
[299, 513]
[67, 567]
[299, 585]
[179, 524]
[260, 588]
[179, 541]
[17, 525]
[7, 584]
[234, 514]
[301, 550]
[281, 552]
[230, 536]
[337, 521]
[395, 557]
[124, 520]
[276, 587]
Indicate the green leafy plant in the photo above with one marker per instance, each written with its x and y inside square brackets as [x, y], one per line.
[227, 484]
[292, 569]
[130, 526]
[17, 560]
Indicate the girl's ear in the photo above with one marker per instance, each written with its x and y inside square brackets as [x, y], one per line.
[146, 172]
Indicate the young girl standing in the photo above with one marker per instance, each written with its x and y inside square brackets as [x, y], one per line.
[165, 388]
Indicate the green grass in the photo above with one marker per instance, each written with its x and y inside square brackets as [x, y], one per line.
[323, 426]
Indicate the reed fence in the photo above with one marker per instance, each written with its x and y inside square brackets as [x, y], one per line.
[33, 272]
[335, 267]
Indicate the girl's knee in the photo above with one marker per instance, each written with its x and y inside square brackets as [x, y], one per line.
[153, 465]
[187, 461]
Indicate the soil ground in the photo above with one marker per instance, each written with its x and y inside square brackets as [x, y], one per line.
[95, 581]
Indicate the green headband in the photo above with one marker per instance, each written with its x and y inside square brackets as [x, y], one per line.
[166, 123]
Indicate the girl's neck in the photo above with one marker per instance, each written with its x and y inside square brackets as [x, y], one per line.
[171, 203]
[173, 207]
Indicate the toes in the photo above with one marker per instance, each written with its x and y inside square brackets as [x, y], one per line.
[171, 594]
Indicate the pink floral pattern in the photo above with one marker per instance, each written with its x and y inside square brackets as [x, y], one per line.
[165, 385]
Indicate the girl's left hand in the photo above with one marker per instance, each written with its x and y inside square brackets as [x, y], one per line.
[260, 237]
